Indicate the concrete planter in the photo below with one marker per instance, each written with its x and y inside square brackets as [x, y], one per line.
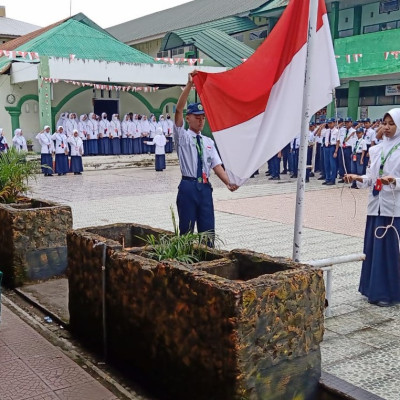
[33, 240]
[242, 325]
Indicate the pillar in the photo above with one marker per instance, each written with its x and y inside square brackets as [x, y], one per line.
[44, 91]
[353, 98]
[334, 19]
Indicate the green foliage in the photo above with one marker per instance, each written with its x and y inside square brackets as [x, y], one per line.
[188, 248]
[15, 171]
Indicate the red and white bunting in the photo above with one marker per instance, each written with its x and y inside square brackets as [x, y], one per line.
[357, 56]
[348, 58]
[99, 86]
[72, 57]
[395, 54]
[179, 60]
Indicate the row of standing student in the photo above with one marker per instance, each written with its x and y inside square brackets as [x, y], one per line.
[62, 147]
[103, 137]
[335, 148]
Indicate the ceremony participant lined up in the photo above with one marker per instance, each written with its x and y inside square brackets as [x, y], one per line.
[46, 150]
[159, 143]
[19, 141]
[3, 142]
[61, 147]
[330, 153]
[197, 156]
[76, 153]
[380, 274]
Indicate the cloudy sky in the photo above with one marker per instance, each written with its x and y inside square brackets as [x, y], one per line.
[104, 13]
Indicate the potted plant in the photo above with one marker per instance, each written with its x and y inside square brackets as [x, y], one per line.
[29, 144]
[32, 232]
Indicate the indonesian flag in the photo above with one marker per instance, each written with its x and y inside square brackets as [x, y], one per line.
[255, 109]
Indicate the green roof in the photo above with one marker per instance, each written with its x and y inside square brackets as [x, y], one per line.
[85, 42]
[191, 13]
[221, 47]
[272, 8]
[184, 36]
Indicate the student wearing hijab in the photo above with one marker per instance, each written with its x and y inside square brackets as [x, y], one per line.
[93, 135]
[153, 126]
[104, 134]
[19, 141]
[76, 153]
[159, 143]
[82, 129]
[125, 134]
[46, 150]
[137, 135]
[116, 133]
[62, 120]
[170, 129]
[70, 125]
[146, 133]
[3, 142]
[61, 151]
[380, 274]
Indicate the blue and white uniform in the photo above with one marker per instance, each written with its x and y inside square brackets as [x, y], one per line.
[194, 200]
[46, 150]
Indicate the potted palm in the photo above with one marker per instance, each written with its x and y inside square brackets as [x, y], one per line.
[32, 231]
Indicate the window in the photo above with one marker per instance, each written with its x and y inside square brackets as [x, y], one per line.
[162, 54]
[386, 6]
[342, 97]
[346, 33]
[177, 51]
[258, 35]
[368, 95]
[191, 48]
[371, 28]
[239, 37]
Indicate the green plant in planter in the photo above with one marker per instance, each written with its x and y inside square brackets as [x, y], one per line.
[15, 172]
[188, 248]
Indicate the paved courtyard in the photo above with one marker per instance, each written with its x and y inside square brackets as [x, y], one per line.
[362, 341]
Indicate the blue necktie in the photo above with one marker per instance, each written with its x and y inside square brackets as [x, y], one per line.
[199, 160]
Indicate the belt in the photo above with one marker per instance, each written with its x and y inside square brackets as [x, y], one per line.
[189, 178]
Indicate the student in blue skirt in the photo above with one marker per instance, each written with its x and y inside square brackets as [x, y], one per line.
[159, 143]
[380, 274]
[76, 153]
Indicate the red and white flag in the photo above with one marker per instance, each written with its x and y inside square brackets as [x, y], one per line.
[255, 109]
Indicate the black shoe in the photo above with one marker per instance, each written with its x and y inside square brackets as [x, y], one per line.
[59, 174]
[312, 174]
[293, 176]
[256, 173]
[325, 183]
[276, 178]
[330, 183]
[341, 181]
[284, 172]
[383, 304]
[307, 180]
[321, 178]
[250, 177]
[268, 173]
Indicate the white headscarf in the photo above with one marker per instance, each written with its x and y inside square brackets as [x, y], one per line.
[388, 143]
[18, 132]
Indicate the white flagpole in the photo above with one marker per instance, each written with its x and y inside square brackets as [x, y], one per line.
[298, 224]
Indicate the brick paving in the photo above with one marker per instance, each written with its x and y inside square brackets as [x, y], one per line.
[31, 368]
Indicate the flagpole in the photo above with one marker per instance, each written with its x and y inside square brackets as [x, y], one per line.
[306, 117]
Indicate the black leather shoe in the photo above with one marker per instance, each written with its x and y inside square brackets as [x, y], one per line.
[321, 178]
[284, 172]
[341, 181]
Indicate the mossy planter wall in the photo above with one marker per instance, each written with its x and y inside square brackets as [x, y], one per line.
[33, 240]
[241, 326]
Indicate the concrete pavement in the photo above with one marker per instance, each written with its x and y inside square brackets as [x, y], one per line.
[362, 341]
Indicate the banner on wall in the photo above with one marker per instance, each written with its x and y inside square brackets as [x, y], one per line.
[392, 90]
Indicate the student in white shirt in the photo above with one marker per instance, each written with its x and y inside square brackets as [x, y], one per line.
[19, 141]
[159, 143]
[46, 150]
[77, 151]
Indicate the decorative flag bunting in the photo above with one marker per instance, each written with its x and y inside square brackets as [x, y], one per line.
[190, 61]
[357, 56]
[100, 86]
[255, 109]
[16, 53]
